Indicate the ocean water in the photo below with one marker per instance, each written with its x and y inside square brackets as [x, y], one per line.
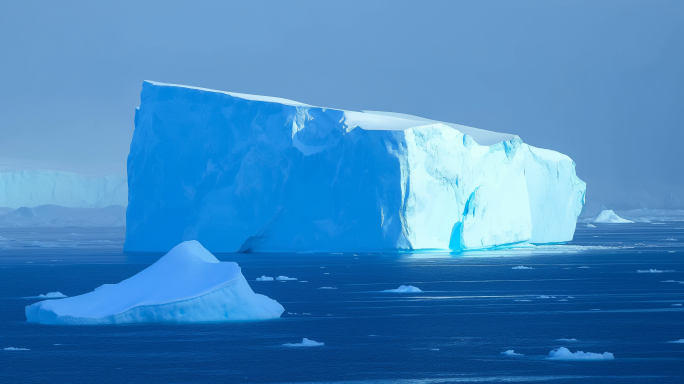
[474, 307]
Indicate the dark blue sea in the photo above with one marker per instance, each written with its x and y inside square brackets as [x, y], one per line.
[474, 307]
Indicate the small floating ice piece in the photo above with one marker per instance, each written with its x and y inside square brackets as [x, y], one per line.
[649, 271]
[264, 278]
[404, 289]
[285, 278]
[305, 343]
[521, 267]
[16, 349]
[563, 353]
[511, 352]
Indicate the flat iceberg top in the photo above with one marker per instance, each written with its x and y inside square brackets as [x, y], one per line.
[369, 120]
[186, 272]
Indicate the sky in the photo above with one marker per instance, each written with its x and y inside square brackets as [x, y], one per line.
[601, 81]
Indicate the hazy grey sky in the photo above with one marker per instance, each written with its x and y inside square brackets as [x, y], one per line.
[601, 81]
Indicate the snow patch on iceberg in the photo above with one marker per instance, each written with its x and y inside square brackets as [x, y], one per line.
[186, 285]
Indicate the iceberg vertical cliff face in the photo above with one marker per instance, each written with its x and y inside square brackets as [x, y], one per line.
[34, 188]
[251, 173]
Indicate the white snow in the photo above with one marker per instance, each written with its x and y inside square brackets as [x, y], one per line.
[309, 178]
[188, 284]
[32, 188]
[608, 216]
[264, 278]
[285, 278]
[563, 353]
[404, 289]
[511, 352]
[305, 343]
[521, 267]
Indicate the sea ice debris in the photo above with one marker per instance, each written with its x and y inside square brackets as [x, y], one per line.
[563, 353]
[305, 343]
[404, 289]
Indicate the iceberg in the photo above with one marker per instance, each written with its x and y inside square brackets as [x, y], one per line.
[186, 285]
[246, 173]
[405, 289]
[608, 216]
[32, 188]
[305, 343]
[563, 353]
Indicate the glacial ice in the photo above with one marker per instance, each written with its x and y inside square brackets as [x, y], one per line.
[186, 285]
[258, 174]
[49, 295]
[608, 216]
[31, 188]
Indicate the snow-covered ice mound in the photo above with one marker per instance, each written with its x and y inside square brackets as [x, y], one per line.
[608, 216]
[186, 285]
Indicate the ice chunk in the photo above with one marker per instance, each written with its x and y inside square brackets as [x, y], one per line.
[16, 349]
[285, 278]
[49, 295]
[511, 352]
[264, 278]
[590, 225]
[608, 216]
[286, 176]
[305, 343]
[649, 271]
[563, 353]
[404, 289]
[521, 267]
[188, 284]
[33, 188]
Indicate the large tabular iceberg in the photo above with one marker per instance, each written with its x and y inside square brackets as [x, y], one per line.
[251, 173]
[33, 188]
[187, 285]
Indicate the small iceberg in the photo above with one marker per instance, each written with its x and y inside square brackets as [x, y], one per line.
[305, 343]
[521, 267]
[563, 353]
[285, 278]
[511, 352]
[186, 285]
[590, 225]
[649, 271]
[608, 216]
[49, 295]
[264, 278]
[16, 349]
[404, 289]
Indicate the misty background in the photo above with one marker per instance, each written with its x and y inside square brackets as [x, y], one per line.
[600, 81]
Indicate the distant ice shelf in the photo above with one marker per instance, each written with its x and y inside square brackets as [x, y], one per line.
[245, 173]
[32, 188]
[186, 285]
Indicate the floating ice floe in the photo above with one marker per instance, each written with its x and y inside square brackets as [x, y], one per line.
[327, 288]
[186, 285]
[305, 343]
[650, 271]
[511, 352]
[285, 278]
[264, 278]
[521, 267]
[567, 340]
[16, 349]
[563, 353]
[680, 341]
[404, 289]
[49, 295]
